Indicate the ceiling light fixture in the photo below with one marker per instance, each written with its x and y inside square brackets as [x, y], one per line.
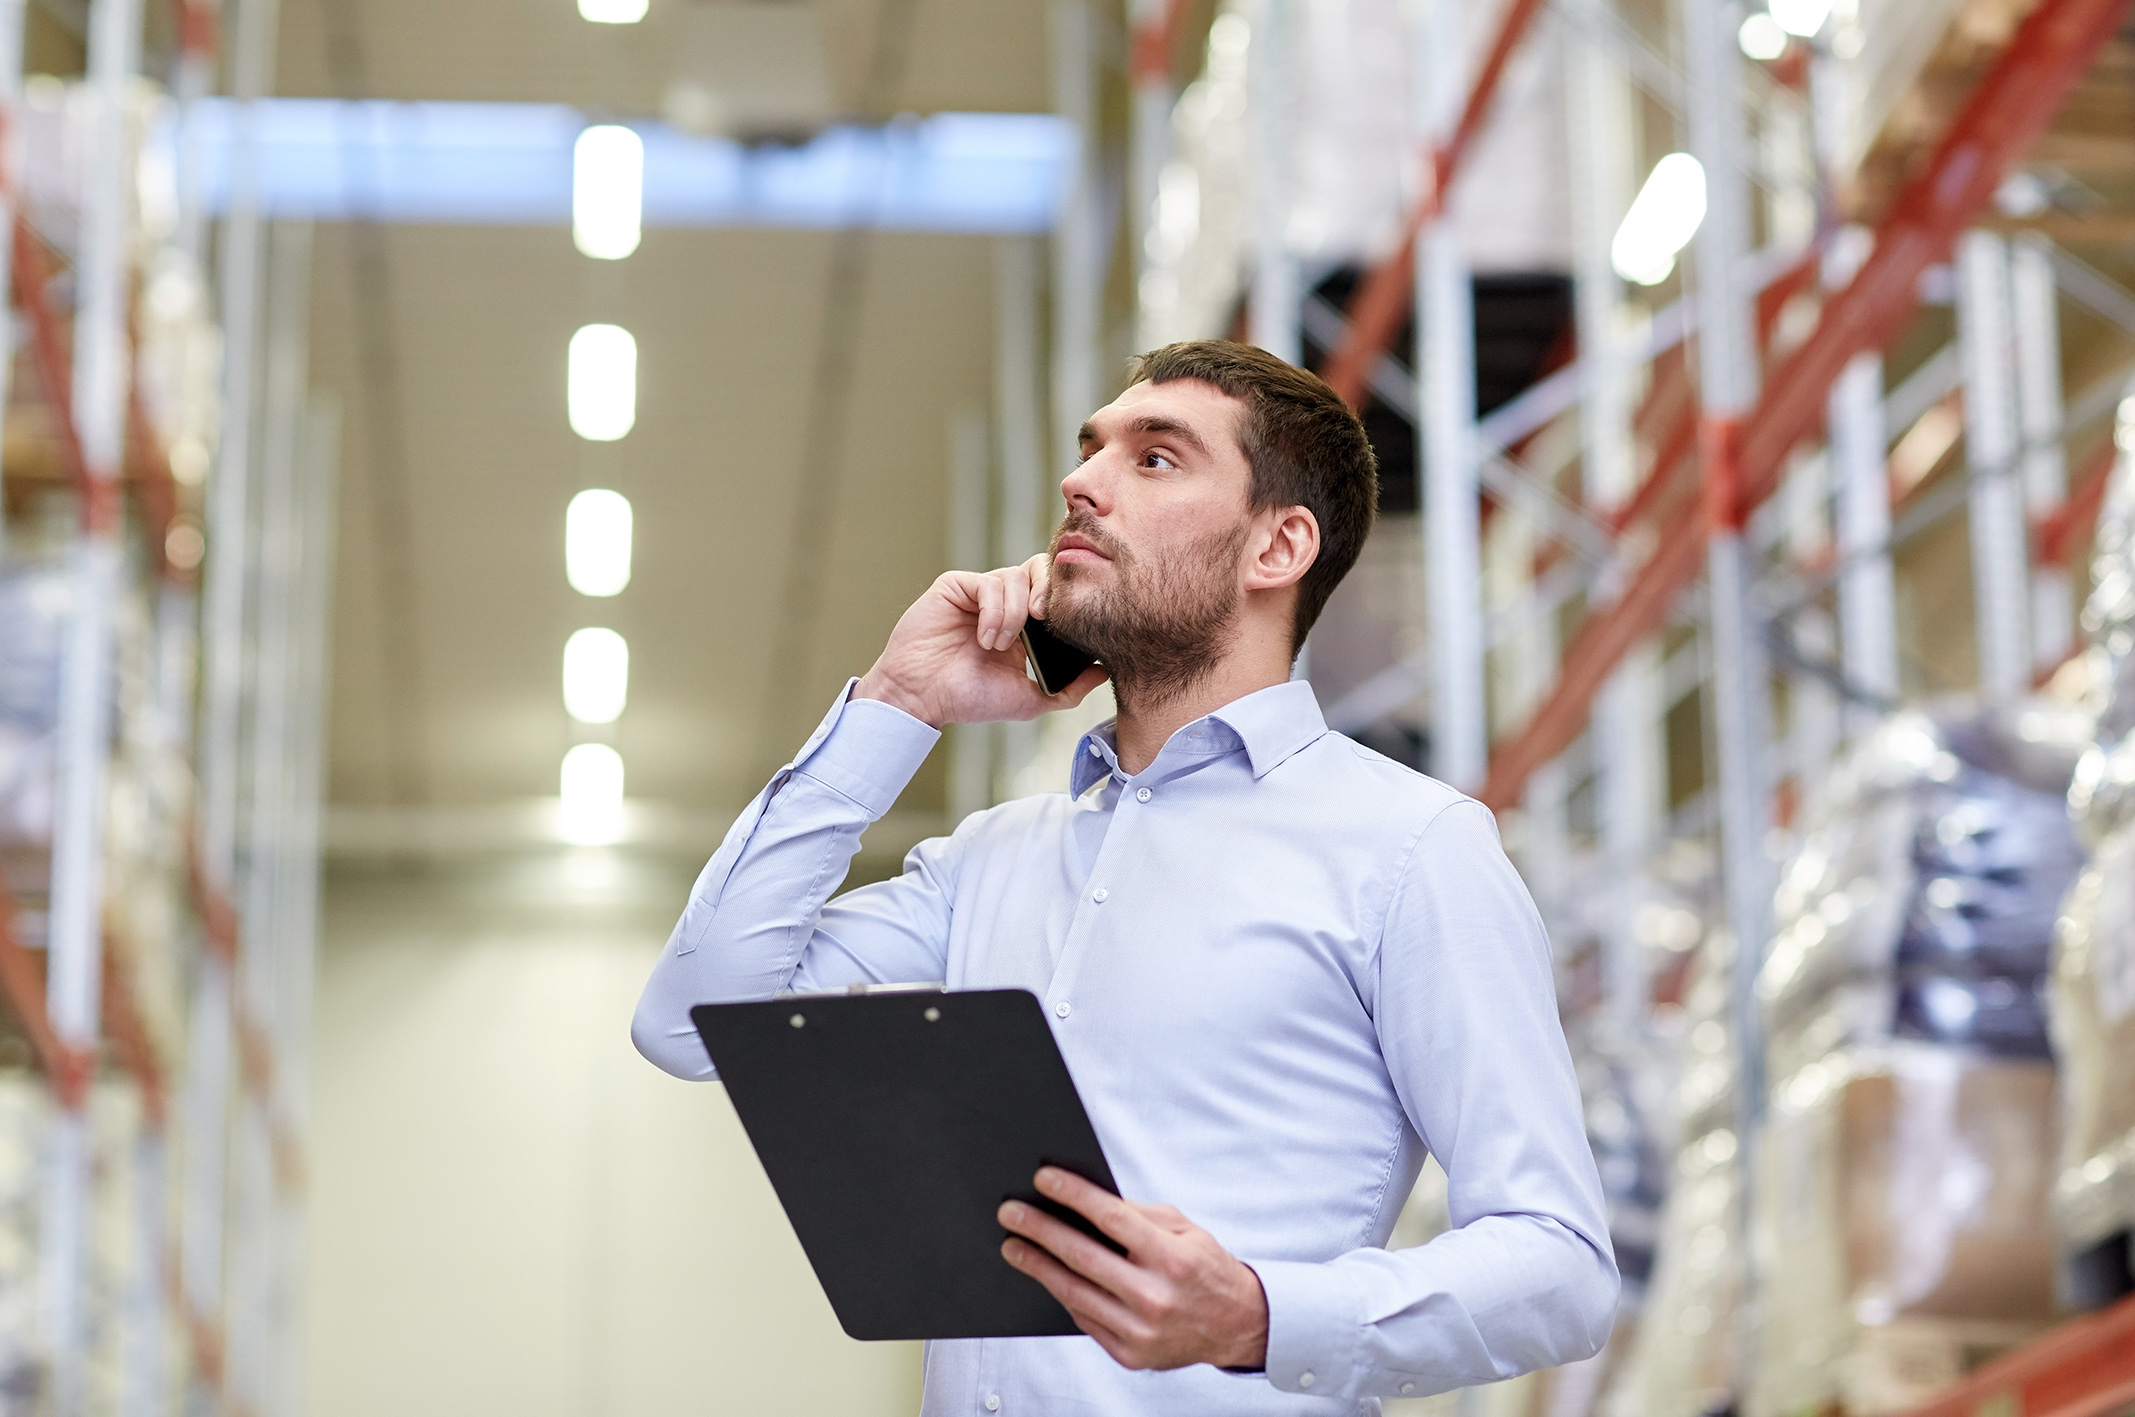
[607, 191]
[602, 387]
[596, 542]
[1761, 37]
[596, 675]
[591, 785]
[1802, 18]
[1663, 218]
[612, 12]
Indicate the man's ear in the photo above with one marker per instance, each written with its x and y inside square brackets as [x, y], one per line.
[1288, 542]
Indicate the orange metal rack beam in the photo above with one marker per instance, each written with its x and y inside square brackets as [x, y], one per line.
[2084, 1368]
[2005, 114]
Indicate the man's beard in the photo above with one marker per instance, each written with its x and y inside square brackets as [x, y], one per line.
[1163, 625]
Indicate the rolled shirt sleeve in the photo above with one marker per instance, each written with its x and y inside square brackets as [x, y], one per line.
[1465, 1010]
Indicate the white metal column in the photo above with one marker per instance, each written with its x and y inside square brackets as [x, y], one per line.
[318, 465]
[1020, 460]
[1445, 368]
[1080, 234]
[2038, 398]
[74, 958]
[11, 23]
[1624, 728]
[208, 1072]
[1867, 588]
[1150, 137]
[1273, 306]
[2001, 592]
[1727, 379]
[970, 469]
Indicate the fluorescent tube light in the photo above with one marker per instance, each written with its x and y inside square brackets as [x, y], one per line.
[612, 12]
[602, 388]
[591, 784]
[607, 191]
[596, 542]
[1663, 218]
[596, 675]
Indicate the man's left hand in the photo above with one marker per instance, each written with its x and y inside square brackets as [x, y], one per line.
[1174, 1299]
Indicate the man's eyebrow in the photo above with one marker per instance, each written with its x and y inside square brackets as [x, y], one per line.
[1151, 423]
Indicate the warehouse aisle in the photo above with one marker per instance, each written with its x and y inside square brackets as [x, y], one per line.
[511, 1212]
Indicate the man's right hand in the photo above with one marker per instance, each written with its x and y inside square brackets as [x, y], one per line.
[956, 655]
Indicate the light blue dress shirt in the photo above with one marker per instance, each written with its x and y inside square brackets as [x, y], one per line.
[1280, 967]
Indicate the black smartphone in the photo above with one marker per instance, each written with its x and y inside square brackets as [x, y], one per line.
[1056, 662]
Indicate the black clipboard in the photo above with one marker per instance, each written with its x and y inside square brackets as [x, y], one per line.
[892, 1124]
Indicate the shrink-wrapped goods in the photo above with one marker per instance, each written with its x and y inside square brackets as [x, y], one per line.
[1681, 1352]
[1902, 1231]
[1904, 1168]
[2094, 1030]
[2093, 995]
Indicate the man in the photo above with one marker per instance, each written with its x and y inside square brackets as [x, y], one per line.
[1279, 965]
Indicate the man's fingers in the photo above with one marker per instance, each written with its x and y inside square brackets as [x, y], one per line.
[1079, 690]
[1081, 1298]
[1015, 608]
[992, 604]
[1038, 570]
[1110, 1214]
[1087, 1257]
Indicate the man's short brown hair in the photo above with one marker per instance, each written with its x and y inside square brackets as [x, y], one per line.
[1305, 447]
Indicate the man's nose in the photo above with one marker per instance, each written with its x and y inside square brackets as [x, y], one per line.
[1087, 486]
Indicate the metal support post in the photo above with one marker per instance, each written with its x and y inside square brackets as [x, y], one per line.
[1019, 424]
[2000, 586]
[2038, 398]
[1445, 364]
[1727, 380]
[74, 958]
[970, 463]
[11, 22]
[1079, 236]
[1274, 305]
[1867, 588]
[1150, 137]
[208, 1070]
[318, 462]
[277, 543]
[1624, 728]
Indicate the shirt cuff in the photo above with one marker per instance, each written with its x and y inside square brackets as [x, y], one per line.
[1313, 1328]
[867, 750]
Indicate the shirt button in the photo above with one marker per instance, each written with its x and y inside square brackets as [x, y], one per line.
[1095, 752]
[1143, 794]
[1306, 1379]
[1407, 1388]
[1063, 1008]
[993, 1402]
[1100, 895]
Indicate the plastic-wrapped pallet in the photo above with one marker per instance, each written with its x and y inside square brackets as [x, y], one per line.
[1904, 1169]
[2094, 965]
[1682, 1353]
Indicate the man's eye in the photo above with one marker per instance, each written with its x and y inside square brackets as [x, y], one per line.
[1158, 460]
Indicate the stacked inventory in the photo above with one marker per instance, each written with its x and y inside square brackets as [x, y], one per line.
[1903, 1167]
[2094, 968]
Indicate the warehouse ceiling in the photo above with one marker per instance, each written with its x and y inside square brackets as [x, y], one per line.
[765, 573]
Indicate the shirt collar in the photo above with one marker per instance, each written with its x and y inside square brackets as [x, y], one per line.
[1272, 724]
